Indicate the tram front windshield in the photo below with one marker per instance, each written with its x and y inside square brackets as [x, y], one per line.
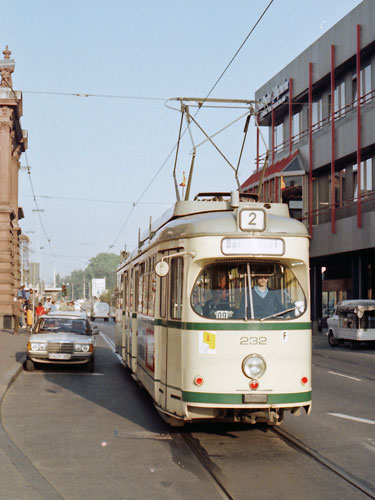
[248, 290]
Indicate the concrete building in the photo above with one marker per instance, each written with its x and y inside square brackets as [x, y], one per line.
[320, 116]
[13, 141]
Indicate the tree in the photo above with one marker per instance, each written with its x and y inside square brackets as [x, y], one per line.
[104, 265]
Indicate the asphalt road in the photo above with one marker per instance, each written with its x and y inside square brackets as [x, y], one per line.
[98, 436]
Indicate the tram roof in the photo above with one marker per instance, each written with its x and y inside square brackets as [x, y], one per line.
[215, 217]
[194, 207]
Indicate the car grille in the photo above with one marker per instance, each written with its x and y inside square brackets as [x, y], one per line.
[66, 347]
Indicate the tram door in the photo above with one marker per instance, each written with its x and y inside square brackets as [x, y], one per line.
[134, 298]
[171, 293]
[174, 362]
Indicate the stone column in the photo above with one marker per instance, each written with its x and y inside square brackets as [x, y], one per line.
[12, 143]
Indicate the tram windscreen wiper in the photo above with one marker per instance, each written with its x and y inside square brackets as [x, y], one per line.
[278, 314]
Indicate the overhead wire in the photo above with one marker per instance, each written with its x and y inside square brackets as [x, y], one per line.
[183, 133]
[37, 207]
[86, 94]
[96, 200]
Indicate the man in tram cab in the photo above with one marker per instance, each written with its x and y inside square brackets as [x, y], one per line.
[218, 301]
[266, 301]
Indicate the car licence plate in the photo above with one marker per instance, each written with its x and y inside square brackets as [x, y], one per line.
[59, 355]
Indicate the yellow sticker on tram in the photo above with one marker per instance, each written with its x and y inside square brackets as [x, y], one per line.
[207, 342]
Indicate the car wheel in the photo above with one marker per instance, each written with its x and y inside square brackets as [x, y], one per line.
[331, 339]
[353, 344]
[89, 367]
[105, 319]
[29, 365]
[92, 319]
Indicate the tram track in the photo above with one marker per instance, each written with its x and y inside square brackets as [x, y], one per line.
[216, 476]
[338, 471]
[222, 483]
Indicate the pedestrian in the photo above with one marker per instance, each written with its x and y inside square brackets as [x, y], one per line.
[40, 310]
[17, 313]
[29, 313]
[22, 292]
[47, 304]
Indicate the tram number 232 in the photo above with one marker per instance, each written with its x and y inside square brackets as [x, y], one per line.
[253, 340]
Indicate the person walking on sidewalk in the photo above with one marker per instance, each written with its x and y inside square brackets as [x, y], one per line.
[17, 313]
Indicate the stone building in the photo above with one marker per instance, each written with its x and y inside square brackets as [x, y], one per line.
[13, 142]
[319, 114]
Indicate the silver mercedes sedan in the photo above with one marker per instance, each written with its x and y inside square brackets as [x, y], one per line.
[62, 337]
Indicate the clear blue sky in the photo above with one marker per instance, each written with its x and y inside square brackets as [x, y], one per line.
[93, 156]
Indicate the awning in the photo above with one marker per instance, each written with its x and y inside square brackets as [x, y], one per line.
[273, 169]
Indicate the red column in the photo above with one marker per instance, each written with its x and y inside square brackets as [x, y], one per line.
[359, 201]
[273, 136]
[333, 213]
[257, 145]
[310, 200]
[290, 114]
[276, 190]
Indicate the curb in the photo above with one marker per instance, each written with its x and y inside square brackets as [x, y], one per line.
[13, 376]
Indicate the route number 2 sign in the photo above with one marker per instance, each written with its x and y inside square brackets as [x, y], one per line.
[252, 220]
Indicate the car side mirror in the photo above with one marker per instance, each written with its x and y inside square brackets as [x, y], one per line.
[95, 330]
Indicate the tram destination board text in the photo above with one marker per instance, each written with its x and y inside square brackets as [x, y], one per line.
[252, 246]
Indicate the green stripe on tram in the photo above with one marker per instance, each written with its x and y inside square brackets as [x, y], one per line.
[181, 325]
[217, 398]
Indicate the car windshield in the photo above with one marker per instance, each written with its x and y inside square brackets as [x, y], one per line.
[248, 290]
[48, 325]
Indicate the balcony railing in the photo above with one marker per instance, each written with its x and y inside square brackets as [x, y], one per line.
[338, 114]
[344, 204]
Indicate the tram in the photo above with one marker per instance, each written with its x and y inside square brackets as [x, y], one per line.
[213, 313]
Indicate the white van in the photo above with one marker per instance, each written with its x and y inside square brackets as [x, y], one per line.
[100, 310]
[353, 321]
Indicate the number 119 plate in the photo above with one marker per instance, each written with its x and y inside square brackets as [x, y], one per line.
[252, 220]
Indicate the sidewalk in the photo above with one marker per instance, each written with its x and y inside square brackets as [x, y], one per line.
[12, 356]
[13, 481]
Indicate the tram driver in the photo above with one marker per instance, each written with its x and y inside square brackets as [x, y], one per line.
[266, 301]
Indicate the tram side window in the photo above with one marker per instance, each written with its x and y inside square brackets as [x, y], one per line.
[163, 301]
[121, 298]
[136, 289]
[126, 293]
[177, 266]
[142, 288]
[131, 291]
[151, 287]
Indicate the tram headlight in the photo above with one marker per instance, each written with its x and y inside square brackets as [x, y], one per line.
[253, 366]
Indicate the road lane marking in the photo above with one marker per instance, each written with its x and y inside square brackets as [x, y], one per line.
[109, 341]
[356, 419]
[346, 376]
[81, 374]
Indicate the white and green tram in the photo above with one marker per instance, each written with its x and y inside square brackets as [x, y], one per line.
[213, 314]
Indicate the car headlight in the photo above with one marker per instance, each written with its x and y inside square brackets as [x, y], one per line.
[83, 347]
[38, 346]
[253, 366]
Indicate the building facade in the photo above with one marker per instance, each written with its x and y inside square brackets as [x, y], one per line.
[319, 114]
[13, 141]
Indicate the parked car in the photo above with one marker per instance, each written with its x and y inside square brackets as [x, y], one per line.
[352, 321]
[64, 338]
[100, 310]
[112, 313]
